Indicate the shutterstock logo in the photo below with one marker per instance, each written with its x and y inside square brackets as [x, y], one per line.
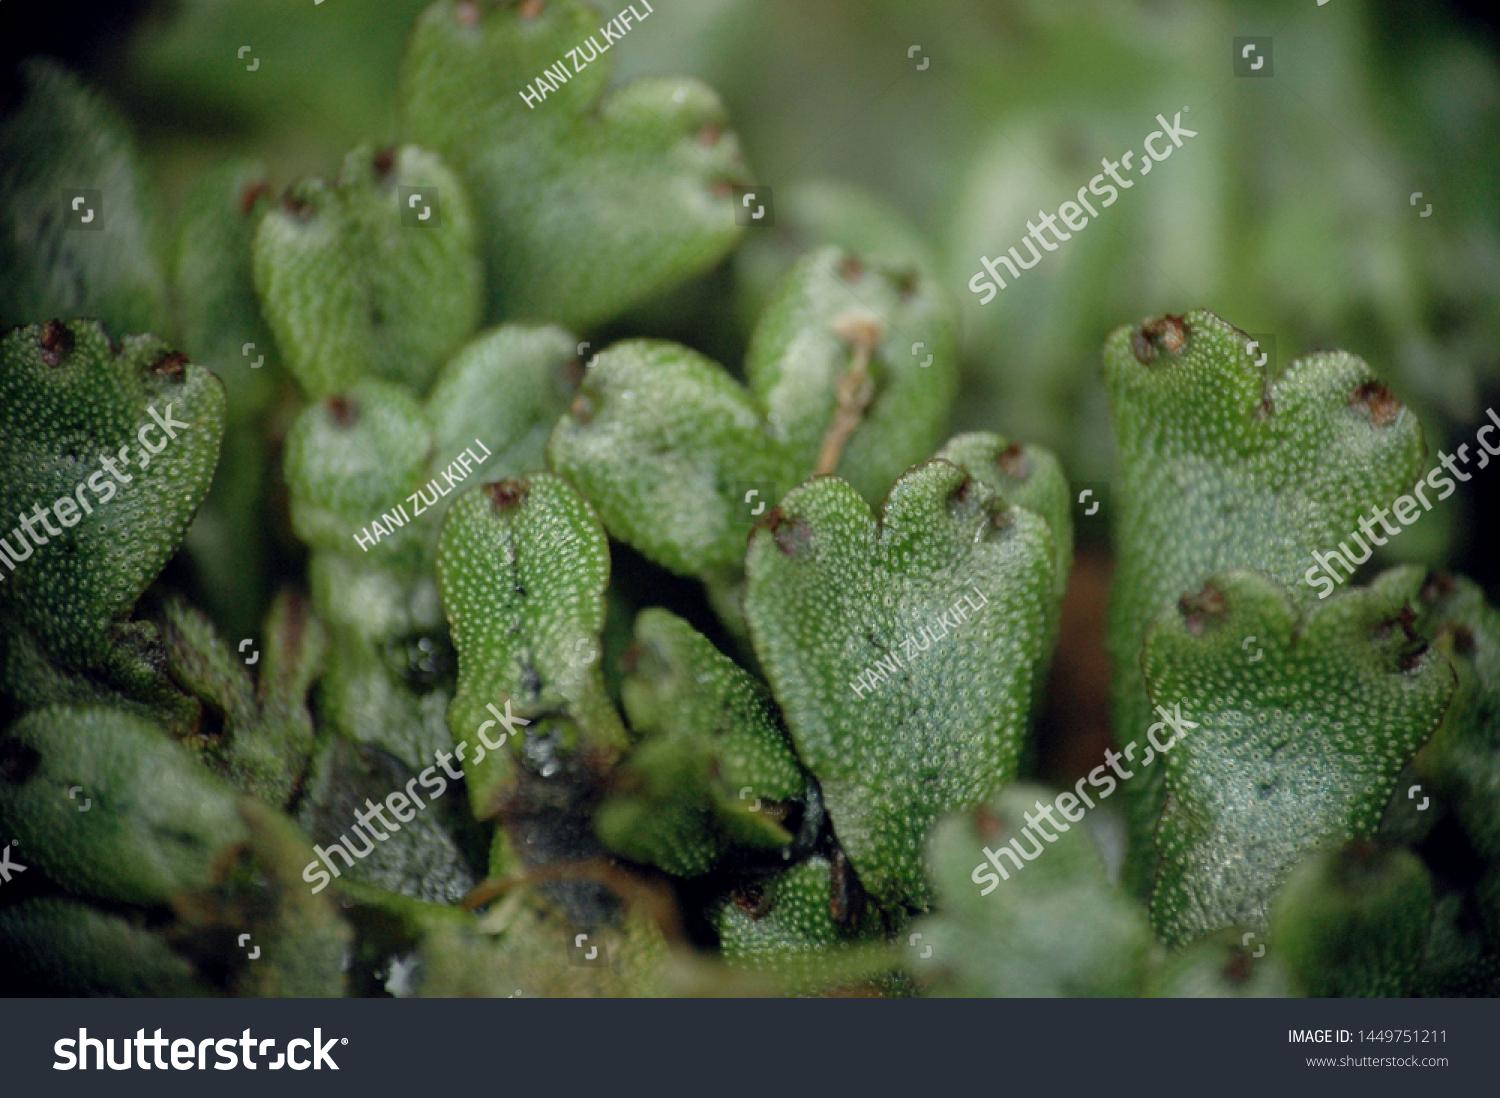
[142, 1053]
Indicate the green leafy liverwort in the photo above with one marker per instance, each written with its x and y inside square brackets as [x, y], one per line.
[592, 203]
[116, 440]
[1223, 464]
[832, 387]
[832, 592]
[715, 768]
[522, 567]
[1296, 750]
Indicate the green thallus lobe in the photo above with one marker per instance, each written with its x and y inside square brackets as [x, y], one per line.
[912, 644]
[1404, 508]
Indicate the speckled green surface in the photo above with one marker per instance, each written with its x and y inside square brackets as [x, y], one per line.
[798, 356]
[715, 760]
[1295, 749]
[771, 738]
[832, 591]
[522, 568]
[355, 285]
[1221, 465]
[69, 397]
[784, 926]
[658, 429]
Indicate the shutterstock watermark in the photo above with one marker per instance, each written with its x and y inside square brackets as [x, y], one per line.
[97, 489]
[988, 281]
[1405, 508]
[404, 804]
[158, 1053]
[990, 872]
[912, 647]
